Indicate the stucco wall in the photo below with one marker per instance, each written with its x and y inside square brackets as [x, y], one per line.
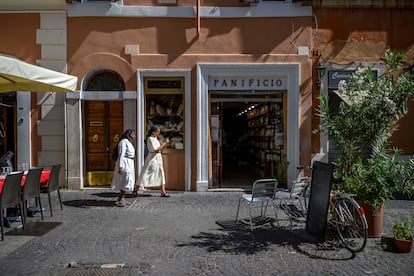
[173, 44]
[363, 34]
[24, 47]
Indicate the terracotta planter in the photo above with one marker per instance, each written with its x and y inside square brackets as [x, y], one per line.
[375, 219]
[403, 246]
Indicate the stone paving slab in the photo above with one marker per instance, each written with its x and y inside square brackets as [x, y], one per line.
[187, 234]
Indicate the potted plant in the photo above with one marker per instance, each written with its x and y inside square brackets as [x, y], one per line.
[403, 234]
[361, 127]
[381, 176]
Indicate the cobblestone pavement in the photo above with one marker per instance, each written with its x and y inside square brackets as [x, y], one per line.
[187, 234]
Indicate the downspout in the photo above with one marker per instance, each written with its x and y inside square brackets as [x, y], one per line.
[198, 19]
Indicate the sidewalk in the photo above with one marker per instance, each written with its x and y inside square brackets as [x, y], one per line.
[187, 234]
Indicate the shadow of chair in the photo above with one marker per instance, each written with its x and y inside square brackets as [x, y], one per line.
[292, 202]
[31, 190]
[263, 194]
[53, 186]
[10, 197]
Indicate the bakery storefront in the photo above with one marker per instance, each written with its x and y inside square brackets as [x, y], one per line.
[247, 123]
[246, 119]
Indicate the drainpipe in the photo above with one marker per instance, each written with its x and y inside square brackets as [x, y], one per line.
[198, 19]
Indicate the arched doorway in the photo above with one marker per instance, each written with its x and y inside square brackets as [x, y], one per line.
[104, 125]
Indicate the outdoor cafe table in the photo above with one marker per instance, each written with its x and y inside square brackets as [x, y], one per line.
[44, 178]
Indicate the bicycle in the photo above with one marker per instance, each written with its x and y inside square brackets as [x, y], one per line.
[345, 215]
[306, 178]
[348, 217]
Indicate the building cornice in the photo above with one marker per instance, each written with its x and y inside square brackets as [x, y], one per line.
[101, 9]
[363, 4]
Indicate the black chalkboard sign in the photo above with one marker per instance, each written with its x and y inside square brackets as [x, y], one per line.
[319, 199]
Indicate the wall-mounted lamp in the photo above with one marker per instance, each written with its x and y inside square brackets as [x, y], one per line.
[320, 70]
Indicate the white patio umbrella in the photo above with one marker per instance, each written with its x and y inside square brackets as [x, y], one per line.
[17, 75]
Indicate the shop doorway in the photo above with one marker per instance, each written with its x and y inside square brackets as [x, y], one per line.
[8, 128]
[104, 125]
[247, 138]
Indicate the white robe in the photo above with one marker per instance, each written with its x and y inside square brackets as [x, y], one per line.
[126, 179]
[152, 174]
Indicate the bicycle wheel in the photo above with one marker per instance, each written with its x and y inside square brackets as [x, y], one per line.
[306, 194]
[351, 224]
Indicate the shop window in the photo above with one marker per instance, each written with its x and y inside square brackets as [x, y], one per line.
[164, 106]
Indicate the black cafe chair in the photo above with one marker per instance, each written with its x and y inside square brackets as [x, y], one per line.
[31, 190]
[53, 186]
[10, 197]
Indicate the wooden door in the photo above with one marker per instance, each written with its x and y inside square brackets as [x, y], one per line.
[174, 166]
[104, 127]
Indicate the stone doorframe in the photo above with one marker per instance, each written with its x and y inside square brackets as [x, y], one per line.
[141, 74]
[290, 71]
[74, 132]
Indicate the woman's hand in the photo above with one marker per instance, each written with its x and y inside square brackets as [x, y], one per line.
[163, 144]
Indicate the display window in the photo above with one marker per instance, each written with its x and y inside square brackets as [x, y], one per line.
[164, 106]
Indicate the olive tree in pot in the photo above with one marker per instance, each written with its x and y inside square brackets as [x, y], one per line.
[361, 126]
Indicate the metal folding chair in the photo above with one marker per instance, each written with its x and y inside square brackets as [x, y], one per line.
[292, 202]
[263, 194]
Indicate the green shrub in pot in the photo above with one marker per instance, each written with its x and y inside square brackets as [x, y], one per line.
[361, 127]
[403, 228]
[380, 177]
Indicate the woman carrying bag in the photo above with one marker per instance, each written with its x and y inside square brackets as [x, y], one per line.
[124, 171]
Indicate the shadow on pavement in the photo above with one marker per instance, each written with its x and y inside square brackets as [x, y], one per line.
[106, 194]
[114, 194]
[85, 203]
[35, 228]
[331, 249]
[236, 238]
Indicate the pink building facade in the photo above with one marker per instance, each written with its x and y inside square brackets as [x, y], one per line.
[232, 84]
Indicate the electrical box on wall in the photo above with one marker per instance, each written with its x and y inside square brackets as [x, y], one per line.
[303, 50]
[131, 49]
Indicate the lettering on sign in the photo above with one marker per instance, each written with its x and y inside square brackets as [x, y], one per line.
[248, 83]
[341, 75]
[335, 76]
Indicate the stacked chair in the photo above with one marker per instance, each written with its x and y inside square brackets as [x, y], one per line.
[10, 197]
[53, 186]
[32, 190]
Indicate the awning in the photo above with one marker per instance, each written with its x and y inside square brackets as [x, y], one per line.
[17, 75]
